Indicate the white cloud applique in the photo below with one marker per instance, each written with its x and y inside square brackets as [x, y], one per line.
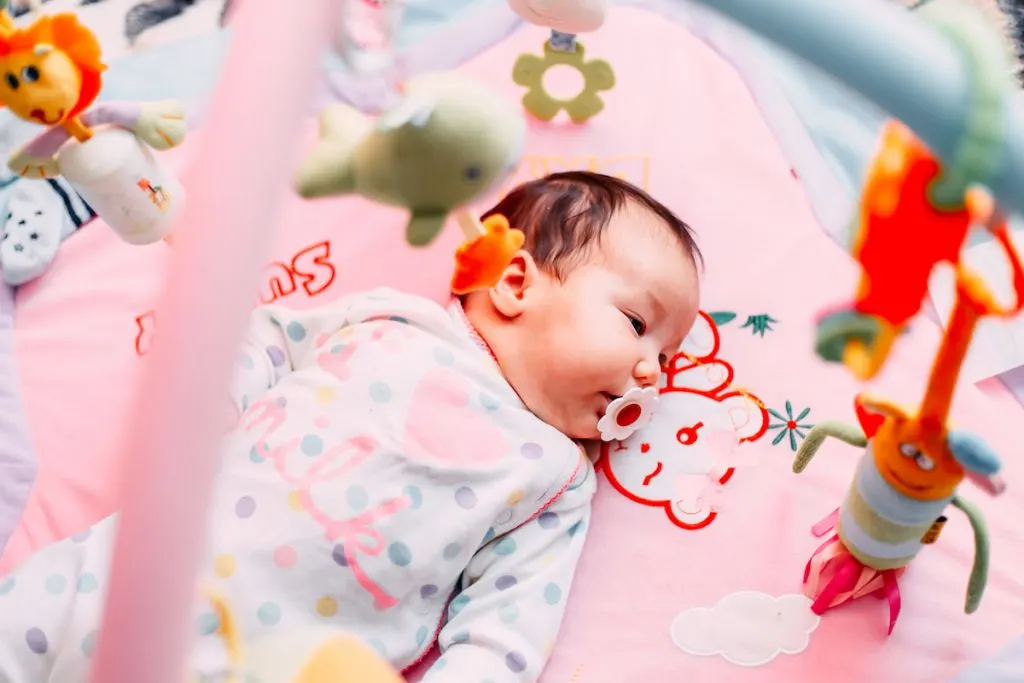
[747, 628]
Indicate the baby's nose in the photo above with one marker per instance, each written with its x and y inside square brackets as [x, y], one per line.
[647, 372]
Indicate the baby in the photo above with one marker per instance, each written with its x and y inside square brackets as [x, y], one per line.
[410, 472]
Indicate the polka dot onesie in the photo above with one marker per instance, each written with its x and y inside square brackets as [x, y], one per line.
[383, 478]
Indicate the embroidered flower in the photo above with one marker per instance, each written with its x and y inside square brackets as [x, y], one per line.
[790, 426]
[628, 413]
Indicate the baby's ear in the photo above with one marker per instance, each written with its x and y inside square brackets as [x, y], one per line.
[508, 296]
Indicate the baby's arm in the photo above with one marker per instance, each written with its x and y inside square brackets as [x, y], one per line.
[277, 342]
[503, 624]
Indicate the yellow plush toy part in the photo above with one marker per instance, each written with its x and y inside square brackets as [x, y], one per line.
[308, 655]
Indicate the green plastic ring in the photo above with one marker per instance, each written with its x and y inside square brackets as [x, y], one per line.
[529, 71]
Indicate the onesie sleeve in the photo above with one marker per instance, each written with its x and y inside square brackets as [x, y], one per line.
[280, 339]
[277, 342]
[502, 626]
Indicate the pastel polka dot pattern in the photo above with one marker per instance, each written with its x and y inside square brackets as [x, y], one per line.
[489, 535]
[505, 582]
[380, 392]
[326, 606]
[86, 583]
[338, 555]
[269, 613]
[377, 645]
[451, 551]
[428, 591]
[36, 641]
[516, 497]
[322, 422]
[439, 664]
[295, 501]
[531, 451]
[415, 496]
[245, 506]
[552, 594]
[421, 635]
[460, 637]
[576, 528]
[7, 586]
[325, 396]
[285, 556]
[276, 356]
[508, 613]
[296, 332]
[505, 546]
[489, 403]
[207, 623]
[443, 356]
[515, 662]
[224, 566]
[465, 497]
[548, 520]
[312, 445]
[89, 643]
[254, 456]
[56, 583]
[357, 497]
[400, 554]
[81, 536]
[458, 604]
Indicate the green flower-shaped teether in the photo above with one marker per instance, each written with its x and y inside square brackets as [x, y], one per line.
[529, 72]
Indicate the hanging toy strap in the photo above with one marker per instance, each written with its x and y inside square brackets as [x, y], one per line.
[366, 34]
[563, 42]
[988, 213]
[366, 42]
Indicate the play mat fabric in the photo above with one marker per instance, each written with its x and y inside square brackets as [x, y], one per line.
[694, 560]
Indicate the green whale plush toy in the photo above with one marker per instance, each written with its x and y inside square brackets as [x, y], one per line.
[448, 140]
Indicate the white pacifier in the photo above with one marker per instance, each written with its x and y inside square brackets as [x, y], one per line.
[628, 413]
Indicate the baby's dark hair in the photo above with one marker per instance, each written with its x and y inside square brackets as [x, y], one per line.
[564, 214]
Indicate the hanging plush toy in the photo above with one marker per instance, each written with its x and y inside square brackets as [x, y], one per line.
[51, 75]
[566, 19]
[911, 468]
[915, 213]
[447, 141]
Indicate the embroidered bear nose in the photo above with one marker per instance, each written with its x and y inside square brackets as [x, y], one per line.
[19, 247]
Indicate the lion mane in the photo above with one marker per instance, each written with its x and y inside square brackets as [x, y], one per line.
[65, 33]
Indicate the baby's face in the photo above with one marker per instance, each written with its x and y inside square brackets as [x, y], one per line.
[608, 326]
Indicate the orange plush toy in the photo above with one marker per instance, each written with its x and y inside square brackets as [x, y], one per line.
[487, 251]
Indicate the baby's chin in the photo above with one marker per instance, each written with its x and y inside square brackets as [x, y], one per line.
[575, 425]
[580, 428]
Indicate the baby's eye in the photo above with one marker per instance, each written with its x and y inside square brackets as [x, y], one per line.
[638, 325]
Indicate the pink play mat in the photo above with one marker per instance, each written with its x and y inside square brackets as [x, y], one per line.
[677, 584]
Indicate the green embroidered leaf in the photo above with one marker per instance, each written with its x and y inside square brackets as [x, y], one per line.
[722, 317]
